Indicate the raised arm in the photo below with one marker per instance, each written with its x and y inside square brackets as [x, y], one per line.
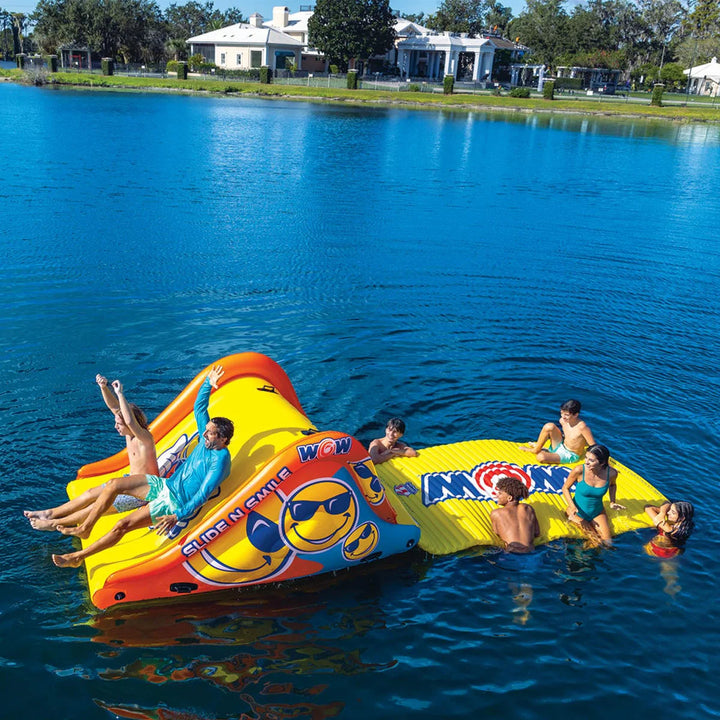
[202, 416]
[110, 400]
[126, 412]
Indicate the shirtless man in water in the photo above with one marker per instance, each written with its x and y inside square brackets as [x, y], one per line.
[515, 524]
[567, 445]
[389, 447]
[130, 422]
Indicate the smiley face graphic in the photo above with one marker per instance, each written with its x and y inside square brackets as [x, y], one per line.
[368, 481]
[361, 541]
[251, 550]
[318, 515]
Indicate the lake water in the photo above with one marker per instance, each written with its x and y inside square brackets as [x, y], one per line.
[464, 271]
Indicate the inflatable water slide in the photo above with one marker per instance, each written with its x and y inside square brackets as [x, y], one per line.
[298, 502]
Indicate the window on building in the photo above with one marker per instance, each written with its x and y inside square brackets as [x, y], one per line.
[238, 61]
[222, 58]
[255, 58]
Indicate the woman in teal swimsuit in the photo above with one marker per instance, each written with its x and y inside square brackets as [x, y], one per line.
[592, 480]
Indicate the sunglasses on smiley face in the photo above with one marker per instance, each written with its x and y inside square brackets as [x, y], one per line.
[366, 473]
[302, 510]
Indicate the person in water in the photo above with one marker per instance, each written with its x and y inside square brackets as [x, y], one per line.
[131, 423]
[592, 480]
[168, 499]
[514, 523]
[388, 447]
[567, 442]
[674, 523]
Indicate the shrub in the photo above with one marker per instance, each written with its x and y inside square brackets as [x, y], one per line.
[182, 69]
[549, 90]
[413, 87]
[52, 63]
[108, 66]
[352, 79]
[334, 70]
[265, 75]
[497, 91]
[172, 66]
[657, 94]
[568, 83]
[520, 92]
[37, 75]
[448, 84]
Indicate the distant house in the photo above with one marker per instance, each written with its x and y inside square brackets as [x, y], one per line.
[296, 26]
[704, 79]
[247, 45]
[423, 53]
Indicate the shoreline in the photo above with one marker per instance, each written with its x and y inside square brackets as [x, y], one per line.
[458, 102]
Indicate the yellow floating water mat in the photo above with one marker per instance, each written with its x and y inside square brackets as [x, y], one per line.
[448, 490]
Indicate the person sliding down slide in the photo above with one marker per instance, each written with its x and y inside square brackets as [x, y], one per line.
[131, 423]
[169, 499]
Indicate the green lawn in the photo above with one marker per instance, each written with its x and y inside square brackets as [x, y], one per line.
[636, 107]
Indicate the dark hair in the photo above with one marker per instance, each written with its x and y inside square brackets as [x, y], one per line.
[684, 526]
[571, 406]
[225, 427]
[601, 453]
[139, 416]
[515, 488]
[396, 424]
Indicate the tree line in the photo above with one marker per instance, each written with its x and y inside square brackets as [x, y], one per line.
[649, 38]
[126, 30]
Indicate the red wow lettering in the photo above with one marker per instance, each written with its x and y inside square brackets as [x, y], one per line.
[325, 448]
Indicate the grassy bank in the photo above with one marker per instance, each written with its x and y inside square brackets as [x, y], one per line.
[385, 97]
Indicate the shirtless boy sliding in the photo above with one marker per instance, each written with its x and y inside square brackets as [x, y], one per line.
[388, 447]
[566, 445]
[169, 500]
[131, 423]
[515, 524]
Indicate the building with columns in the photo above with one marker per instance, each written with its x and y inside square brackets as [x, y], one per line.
[704, 79]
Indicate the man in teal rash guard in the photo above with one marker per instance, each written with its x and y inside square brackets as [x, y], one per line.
[169, 499]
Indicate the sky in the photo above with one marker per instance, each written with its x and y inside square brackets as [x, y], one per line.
[264, 7]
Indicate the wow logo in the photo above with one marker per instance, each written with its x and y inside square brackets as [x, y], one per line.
[479, 483]
[327, 447]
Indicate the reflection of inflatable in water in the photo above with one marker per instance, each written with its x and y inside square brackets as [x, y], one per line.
[298, 502]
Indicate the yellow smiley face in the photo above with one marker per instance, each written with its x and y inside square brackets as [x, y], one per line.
[250, 550]
[318, 515]
[368, 481]
[361, 541]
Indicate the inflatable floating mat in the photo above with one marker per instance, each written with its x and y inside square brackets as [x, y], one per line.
[449, 491]
[298, 501]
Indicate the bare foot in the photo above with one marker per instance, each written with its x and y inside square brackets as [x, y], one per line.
[42, 524]
[40, 514]
[75, 531]
[67, 560]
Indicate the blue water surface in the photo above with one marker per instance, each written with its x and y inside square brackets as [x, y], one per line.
[468, 272]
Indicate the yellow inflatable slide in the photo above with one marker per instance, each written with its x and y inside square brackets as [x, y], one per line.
[297, 502]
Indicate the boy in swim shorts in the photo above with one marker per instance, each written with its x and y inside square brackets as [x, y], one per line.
[130, 423]
[567, 442]
[169, 499]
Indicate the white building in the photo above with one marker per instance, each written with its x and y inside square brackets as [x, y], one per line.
[704, 79]
[296, 25]
[247, 45]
